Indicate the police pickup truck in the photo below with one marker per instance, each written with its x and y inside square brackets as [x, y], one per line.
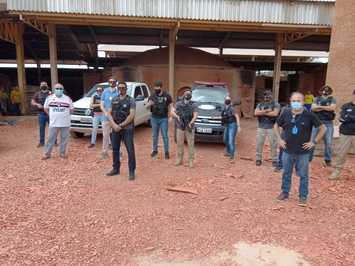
[81, 118]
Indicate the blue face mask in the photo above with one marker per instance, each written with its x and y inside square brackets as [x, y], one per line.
[58, 92]
[296, 105]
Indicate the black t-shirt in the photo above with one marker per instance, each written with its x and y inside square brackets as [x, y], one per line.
[267, 122]
[347, 119]
[160, 109]
[185, 111]
[40, 97]
[297, 129]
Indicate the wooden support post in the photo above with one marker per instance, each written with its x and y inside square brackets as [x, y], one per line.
[220, 51]
[20, 60]
[52, 34]
[277, 66]
[172, 41]
[39, 71]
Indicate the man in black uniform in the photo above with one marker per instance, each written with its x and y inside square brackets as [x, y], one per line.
[38, 102]
[121, 117]
[324, 107]
[160, 104]
[296, 123]
[185, 115]
[347, 136]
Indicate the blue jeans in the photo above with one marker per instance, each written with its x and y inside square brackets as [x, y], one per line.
[96, 121]
[42, 121]
[301, 164]
[161, 124]
[127, 137]
[328, 141]
[230, 132]
[52, 138]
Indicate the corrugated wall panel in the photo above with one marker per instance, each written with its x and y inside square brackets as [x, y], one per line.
[315, 12]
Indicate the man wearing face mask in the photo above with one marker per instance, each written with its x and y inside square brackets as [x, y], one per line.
[347, 136]
[185, 115]
[267, 113]
[324, 107]
[297, 124]
[37, 102]
[98, 116]
[106, 101]
[58, 106]
[160, 106]
[121, 117]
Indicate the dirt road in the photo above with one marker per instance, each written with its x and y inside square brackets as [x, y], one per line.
[66, 211]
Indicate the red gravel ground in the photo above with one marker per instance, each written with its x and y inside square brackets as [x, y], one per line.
[66, 211]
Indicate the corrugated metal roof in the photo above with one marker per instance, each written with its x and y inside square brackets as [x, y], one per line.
[311, 12]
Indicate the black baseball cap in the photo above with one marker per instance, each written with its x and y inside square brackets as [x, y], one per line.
[158, 83]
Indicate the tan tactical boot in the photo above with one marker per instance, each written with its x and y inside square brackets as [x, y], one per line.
[335, 175]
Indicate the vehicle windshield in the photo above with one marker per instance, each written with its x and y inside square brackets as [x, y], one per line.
[204, 94]
[105, 86]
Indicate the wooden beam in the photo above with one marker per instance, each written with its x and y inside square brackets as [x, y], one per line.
[52, 34]
[172, 41]
[8, 31]
[277, 65]
[20, 60]
[294, 36]
[34, 23]
[159, 23]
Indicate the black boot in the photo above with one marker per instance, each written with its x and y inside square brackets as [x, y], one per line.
[113, 172]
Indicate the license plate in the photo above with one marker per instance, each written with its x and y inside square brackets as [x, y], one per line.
[85, 119]
[206, 130]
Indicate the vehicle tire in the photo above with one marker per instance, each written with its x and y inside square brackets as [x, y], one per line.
[76, 135]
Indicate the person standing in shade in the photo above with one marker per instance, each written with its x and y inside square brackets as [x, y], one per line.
[106, 100]
[15, 97]
[95, 105]
[38, 101]
[121, 116]
[347, 136]
[185, 115]
[231, 122]
[58, 106]
[160, 105]
[308, 100]
[297, 124]
[324, 107]
[267, 113]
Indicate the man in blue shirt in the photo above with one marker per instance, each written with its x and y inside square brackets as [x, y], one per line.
[106, 102]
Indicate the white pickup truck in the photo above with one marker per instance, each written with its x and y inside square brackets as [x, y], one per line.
[81, 118]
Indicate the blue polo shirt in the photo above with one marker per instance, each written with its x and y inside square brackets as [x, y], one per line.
[107, 97]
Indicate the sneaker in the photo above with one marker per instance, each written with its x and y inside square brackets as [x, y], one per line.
[302, 202]
[278, 169]
[258, 162]
[104, 155]
[335, 175]
[63, 156]
[113, 172]
[39, 145]
[328, 163]
[282, 196]
[46, 157]
[167, 156]
[154, 154]
[131, 176]
[226, 154]
[275, 164]
[92, 145]
[191, 163]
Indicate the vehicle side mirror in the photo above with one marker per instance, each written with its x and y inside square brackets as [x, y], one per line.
[139, 98]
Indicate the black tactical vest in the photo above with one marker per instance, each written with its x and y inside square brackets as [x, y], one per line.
[121, 108]
[160, 107]
[228, 115]
[186, 112]
[97, 100]
[325, 115]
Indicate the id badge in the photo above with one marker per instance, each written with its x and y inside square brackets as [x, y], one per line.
[295, 130]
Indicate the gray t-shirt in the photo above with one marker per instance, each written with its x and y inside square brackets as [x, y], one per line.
[267, 122]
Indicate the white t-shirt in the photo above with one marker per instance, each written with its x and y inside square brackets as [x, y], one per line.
[59, 110]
